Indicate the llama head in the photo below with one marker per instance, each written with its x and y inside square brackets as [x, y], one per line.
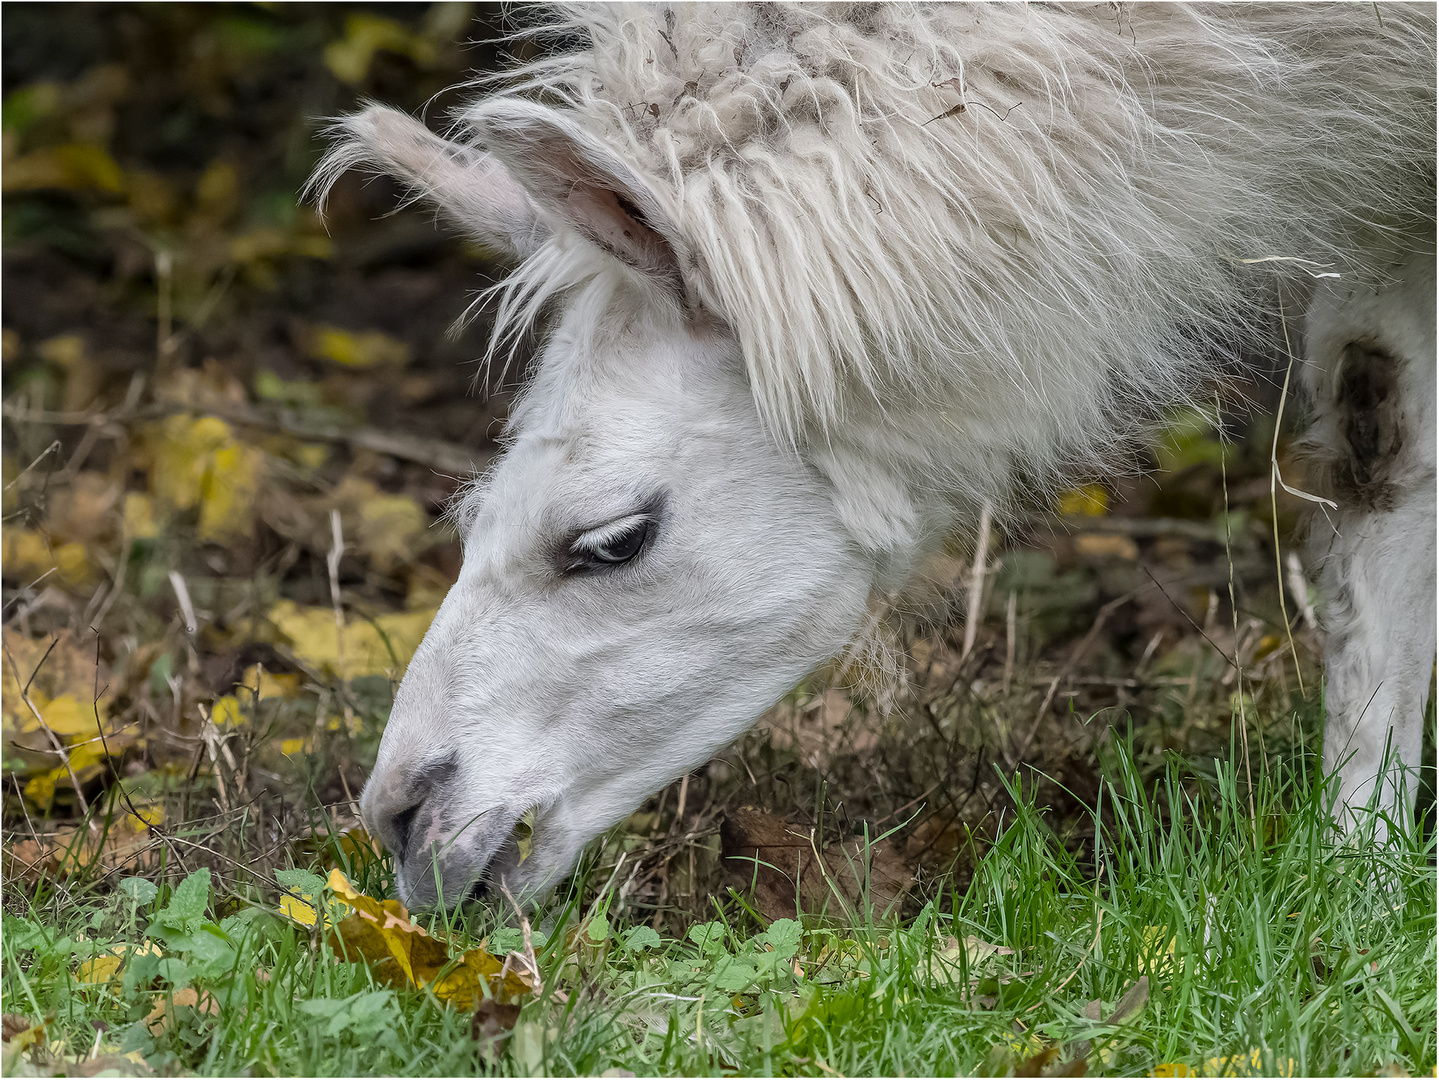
[646, 568]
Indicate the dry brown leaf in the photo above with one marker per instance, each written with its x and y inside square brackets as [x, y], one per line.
[162, 1016]
[127, 845]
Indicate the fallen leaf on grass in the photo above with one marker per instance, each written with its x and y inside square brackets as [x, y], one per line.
[99, 970]
[162, 1017]
[1251, 1064]
[1130, 1005]
[370, 647]
[197, 461]
[126, 844]
[18, 1039]
[380, 933]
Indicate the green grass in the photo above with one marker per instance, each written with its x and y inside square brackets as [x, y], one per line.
[1264, 933]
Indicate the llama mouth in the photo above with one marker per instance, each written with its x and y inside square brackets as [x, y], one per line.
[513, 851]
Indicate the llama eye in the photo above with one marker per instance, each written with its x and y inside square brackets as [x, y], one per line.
[615, 544]
[624, 547]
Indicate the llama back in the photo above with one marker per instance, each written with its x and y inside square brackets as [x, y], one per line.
[1027, 227]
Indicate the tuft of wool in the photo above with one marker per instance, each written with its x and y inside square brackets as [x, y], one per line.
[1046, 211]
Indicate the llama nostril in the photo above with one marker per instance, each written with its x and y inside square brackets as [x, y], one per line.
[401, 824]
[412, 793]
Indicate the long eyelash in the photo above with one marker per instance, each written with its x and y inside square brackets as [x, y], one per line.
[607, 534]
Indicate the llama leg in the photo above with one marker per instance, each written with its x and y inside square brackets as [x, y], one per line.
[1372, 383]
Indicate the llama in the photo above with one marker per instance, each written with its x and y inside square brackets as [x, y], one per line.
[821, 282]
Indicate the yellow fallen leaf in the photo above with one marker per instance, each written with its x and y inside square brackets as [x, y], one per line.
[72, 167]
[264, 685]
[85, 762]
[139, 515]
[196, 461]
[227, 712]
[1250, 1064]
[100, 969]
[358, 349]
[1092, 500]
[368, 645]
[1159, 951]
[300, 908]
[161, 1016]
[64, 715]
[349, 58]
[392, 530]
[380, 933]
[26, 554]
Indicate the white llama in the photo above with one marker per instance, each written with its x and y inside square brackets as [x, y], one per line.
[825, 280]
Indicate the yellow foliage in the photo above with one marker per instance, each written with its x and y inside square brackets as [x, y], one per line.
[85, 762]
[392, 529]
[1159, 950]
[63, 350]
[265, 243]
[360, 349]
[226, 712]
[66, 715]
[74, 565]
[73, 167]
[139, 516]
[302, 909]
[1250, 1064]
[380, 933]
[349, 59]
[389, 529]
[227, 495]
[26, 555]
[368, 644]
[1092, 500]
[264, 684]
[196, 461]
[100, 969]
[61, 685]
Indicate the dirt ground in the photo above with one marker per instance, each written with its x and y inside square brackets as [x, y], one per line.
[206, 387]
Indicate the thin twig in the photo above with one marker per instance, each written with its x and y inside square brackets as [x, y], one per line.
[1234, 609]
[1074, 657]
[1187, 617]
[1273, 494]
[42, 456]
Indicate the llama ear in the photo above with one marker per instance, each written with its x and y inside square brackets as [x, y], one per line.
[473, 189]
[579, 180]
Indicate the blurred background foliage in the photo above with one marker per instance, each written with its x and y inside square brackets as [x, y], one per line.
[230, 431]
